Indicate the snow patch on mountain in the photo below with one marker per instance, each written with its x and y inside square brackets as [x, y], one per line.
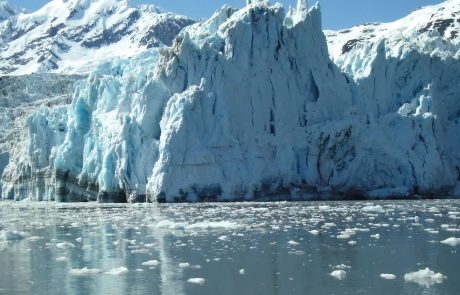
[74, 36]
[6, 11]
[431, 30]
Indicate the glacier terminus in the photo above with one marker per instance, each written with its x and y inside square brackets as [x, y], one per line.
[255, 103]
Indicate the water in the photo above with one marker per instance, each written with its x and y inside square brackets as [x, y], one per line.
[241, 248]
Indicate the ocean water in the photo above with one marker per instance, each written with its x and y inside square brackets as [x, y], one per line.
[379, 247]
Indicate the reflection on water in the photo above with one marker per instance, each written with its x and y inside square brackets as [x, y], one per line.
[242, 248]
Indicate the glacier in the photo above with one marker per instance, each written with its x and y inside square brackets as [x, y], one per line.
[21, 97]
[249, 105]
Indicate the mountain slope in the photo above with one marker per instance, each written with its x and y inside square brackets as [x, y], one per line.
[6, 11]
[431, 30]
[74, 36]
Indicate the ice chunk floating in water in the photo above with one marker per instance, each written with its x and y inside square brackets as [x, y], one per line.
[117, 271]
[425, 277]
[153, 263]
[84, 271]
[339, 274]
[451, 241]
[122, 248]
[387, 276]
[8, 235]
[199, 281]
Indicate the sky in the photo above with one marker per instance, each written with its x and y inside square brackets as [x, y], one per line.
[337, 14]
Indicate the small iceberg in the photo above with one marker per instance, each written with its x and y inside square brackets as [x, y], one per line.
[339, 274]
[425, 277]
[451, 241]
[198, 281]
[387, 276]
[84, 271]
[117, 271]
[8, 235]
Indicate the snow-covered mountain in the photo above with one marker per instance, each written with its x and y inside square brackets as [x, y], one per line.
[74, 36]
[431, 30]
[6, 11]
[249, 104]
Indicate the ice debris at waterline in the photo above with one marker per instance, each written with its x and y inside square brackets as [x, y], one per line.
[8, 235]
[121, 247]
[249, 105]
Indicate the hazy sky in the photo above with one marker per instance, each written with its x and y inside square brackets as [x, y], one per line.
[337, 14]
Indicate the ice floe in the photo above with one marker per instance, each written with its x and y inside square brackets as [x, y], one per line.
[117, 271]
[8, 235]
[153, 263]
[425, 277]
[339, 274]
[84, 271]
[198, 281]
[388, 276]
[451, 241]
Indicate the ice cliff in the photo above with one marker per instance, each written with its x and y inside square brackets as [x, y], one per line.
[22, 96]
[248, 105]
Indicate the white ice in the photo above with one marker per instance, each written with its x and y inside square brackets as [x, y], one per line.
[339, 274]
[425, 277]
[451, 241]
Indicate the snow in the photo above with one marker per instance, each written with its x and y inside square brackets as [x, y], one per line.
[451, 241]
[198, 281]
[387, 276]
[354, 49]
[339, 274]
[425, 277]
[76, 36]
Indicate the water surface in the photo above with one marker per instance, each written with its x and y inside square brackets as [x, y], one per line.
[238, 248]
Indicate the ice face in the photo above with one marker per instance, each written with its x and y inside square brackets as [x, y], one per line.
[236, 126]
[113, 129]
[248, 104]
[34, 106]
